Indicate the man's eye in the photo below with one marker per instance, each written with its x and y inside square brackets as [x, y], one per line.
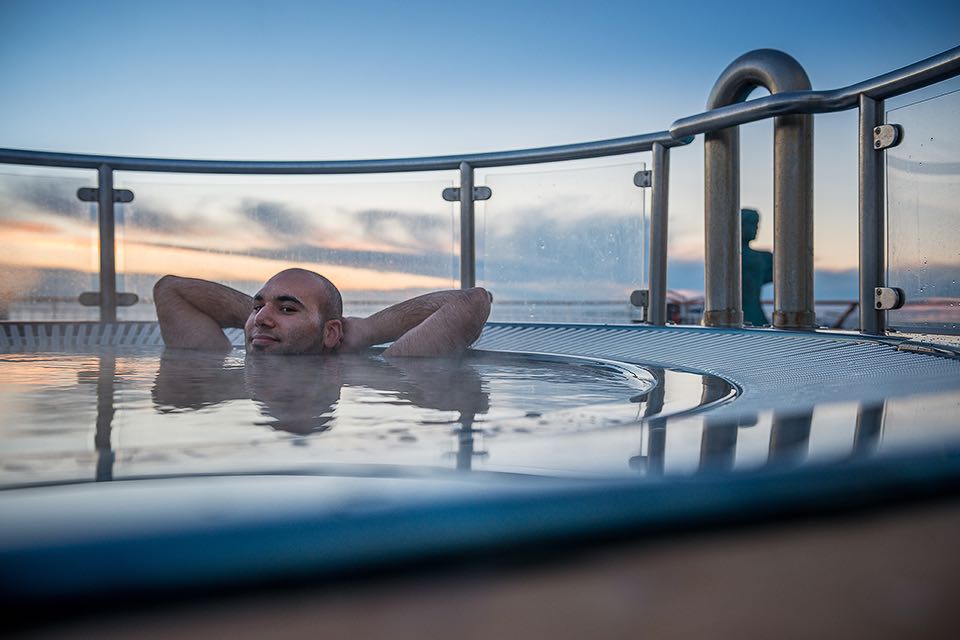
[288, 309]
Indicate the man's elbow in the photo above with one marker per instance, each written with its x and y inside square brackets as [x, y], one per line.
[479, 300]
[166, 286]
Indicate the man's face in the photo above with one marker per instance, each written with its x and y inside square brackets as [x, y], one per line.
[285, 318]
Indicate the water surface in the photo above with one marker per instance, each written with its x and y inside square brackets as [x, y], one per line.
[127, 410]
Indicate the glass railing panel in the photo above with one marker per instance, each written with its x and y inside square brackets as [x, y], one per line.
[563, 242]
[50, 253]
[380, 239]
[923, 215]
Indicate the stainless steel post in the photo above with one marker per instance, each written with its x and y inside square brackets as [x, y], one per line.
[658, 234]
[468, 251]
[793, 301]
[723, 302]
[872, 223]
[793, 197]
[108, 263]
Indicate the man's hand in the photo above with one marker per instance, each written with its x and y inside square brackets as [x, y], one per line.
[193, 313]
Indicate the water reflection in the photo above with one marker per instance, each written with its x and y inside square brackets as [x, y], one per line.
[105, 409]
[790, 436]
[299, 394]
[788, 443]
[187, 410]
[673, 397]
[866, 438]
[718, 443]
[128, 412]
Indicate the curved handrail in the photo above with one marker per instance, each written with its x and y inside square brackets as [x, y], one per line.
[914, 76]
[578, 151]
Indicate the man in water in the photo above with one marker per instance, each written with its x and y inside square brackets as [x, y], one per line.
[301, 312]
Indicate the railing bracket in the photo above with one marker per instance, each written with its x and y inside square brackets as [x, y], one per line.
[640, 298]
[886, 298]
[92, 194]
[92, 299]
[452, 194]
[643, 179]
[886, 136]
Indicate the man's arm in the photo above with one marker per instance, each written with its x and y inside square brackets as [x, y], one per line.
[442, 323]
[193, 313]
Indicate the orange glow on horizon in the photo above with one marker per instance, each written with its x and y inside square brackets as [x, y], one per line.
[38, 249]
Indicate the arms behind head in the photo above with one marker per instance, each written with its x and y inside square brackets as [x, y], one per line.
[193, 314]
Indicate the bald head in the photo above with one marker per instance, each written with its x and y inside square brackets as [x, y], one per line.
[329, 300]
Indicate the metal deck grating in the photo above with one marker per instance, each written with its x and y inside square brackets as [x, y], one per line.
[773, 369]
[71, 335]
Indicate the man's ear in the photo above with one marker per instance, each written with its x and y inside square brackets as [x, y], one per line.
[332, 333]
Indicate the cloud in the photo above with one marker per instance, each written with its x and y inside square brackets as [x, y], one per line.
[372, 229]
[54, 197]
[373, 220]
[158, 220]
[276, 217]
[404, 230]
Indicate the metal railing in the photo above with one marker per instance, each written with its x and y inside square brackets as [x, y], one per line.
[793, 197]
[788, 98]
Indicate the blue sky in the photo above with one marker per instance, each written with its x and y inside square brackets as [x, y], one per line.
[290, 80]
[332, 80]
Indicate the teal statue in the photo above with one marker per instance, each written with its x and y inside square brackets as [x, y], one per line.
[756, 269]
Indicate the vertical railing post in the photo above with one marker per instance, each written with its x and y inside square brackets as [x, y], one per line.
[722, 298]
[793, 295]
[108, 263]
[468, 250]
[872, 223]
[658, 233]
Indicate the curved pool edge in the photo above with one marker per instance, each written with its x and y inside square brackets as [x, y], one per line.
[319, 542]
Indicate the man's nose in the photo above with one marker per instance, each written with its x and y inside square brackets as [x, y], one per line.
[264, 317]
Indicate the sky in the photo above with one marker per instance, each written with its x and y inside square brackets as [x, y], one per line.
[297, 80]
